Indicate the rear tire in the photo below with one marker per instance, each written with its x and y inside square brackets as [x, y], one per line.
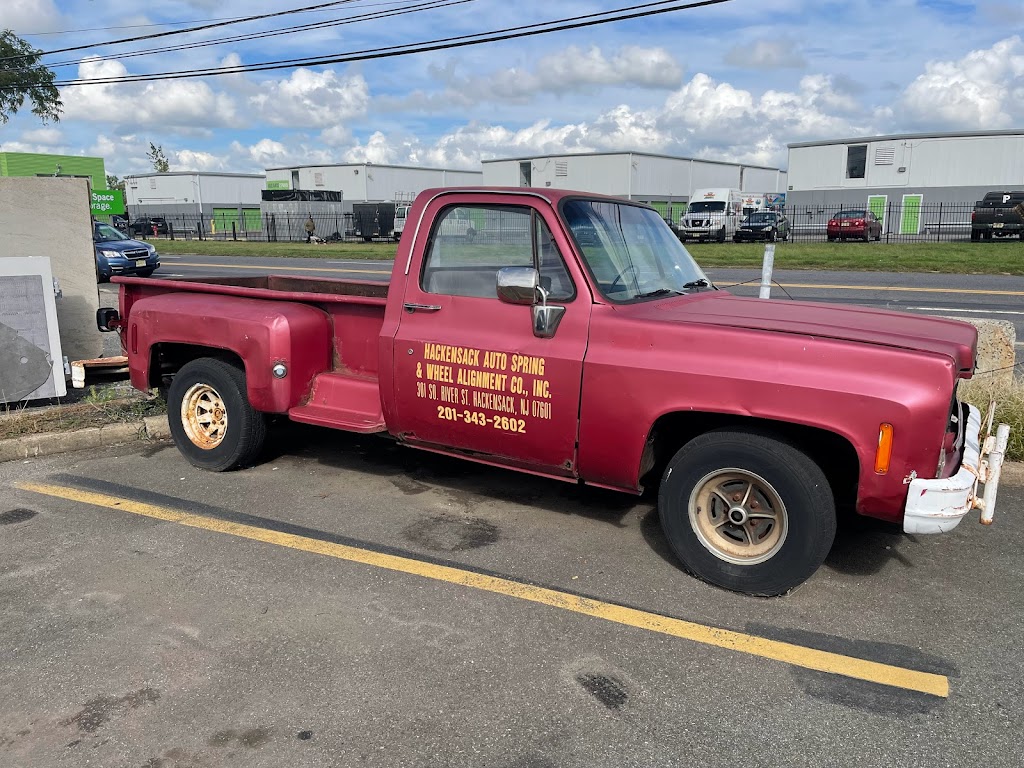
[747, 512]
[211, 419]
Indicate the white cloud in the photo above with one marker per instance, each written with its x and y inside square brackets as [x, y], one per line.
[268, 153]
[187, 104]
[766, 54]
[983, 90]
[49, 136]
[569, 71]
[28, 16]
[312, 99]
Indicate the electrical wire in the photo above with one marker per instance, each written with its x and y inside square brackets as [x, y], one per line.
[373, 15]
[187, 31]
[642, 10]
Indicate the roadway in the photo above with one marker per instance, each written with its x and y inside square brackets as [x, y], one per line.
[997, 297]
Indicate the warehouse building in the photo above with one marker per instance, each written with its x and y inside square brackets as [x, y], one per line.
[664, 181]
[192, 195]
[929, 168]
[369, 182]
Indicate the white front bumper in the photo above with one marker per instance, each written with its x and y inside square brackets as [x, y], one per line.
[938, 505]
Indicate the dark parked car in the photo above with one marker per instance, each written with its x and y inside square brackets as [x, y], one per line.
[144, 225]
[117, 254]
[762, 225]
[856, 223]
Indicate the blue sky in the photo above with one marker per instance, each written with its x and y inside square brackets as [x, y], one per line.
[736, 81]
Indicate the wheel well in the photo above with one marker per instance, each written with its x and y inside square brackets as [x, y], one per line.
[166, 359]
[833, 453]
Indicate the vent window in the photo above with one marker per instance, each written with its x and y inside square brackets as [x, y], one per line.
[885, 156]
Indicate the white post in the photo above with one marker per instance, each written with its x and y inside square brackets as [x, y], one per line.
[766, 271]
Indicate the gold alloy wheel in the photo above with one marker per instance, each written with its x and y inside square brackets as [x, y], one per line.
[738, 516]
[204, 416]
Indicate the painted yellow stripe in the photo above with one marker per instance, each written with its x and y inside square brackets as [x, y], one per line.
[808, 658]
[907, 289]
[279, 269]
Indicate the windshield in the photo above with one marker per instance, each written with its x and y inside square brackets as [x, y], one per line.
[850, 215]
[630, 251]
[707, 206]
[104, 233]
[760, 218]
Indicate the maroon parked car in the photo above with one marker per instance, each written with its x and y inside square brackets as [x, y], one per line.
[859, 224]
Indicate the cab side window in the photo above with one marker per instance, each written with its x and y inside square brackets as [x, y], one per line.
[469, 244]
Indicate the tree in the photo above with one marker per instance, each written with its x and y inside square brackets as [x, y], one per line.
[158, 158]
[113, 182]
[23, 77]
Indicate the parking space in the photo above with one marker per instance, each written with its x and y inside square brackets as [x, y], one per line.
[350, 602]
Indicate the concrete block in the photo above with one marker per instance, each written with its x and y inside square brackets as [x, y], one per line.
[157, 428]
[996, 348]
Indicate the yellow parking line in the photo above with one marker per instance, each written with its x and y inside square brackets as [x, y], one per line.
[908, 289]
[796, 655]
[283, 270]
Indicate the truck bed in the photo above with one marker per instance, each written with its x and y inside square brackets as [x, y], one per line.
[316, 290]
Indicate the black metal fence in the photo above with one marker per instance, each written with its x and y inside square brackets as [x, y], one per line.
[252, 226]
[900, 223]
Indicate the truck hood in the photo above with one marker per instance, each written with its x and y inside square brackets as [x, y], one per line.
[951, 338]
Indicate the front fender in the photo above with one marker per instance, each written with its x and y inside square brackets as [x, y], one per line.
[261, 333]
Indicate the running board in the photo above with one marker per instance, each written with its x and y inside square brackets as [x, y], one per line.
[343, 402]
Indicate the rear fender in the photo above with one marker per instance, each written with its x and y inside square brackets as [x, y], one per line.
[263, 334]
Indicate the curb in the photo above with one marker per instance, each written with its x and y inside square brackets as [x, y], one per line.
[31, 446]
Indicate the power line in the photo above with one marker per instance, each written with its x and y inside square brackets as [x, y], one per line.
[372, 15]
[510, 33]
[139, 26]
[186, 31]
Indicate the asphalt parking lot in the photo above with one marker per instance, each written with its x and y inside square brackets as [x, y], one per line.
[350, 602]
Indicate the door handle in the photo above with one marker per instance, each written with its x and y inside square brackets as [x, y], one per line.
[422, 307]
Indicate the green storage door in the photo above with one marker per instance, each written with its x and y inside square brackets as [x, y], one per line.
[253, 219]
[910, 217]
[223, 218]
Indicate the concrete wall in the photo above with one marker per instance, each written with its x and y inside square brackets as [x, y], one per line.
[50, 217]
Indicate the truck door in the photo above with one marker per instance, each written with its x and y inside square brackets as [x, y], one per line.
[469, 372]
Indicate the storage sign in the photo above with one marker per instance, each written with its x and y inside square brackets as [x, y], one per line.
[107, 202]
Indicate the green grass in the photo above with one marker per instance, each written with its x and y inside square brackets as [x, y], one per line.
[286, 250]
[991, 258]
[1009, 397]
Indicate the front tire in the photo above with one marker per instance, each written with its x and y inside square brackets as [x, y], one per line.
[211, 420]
[747, 512]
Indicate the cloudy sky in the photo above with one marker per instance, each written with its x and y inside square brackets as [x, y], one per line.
[733, 81]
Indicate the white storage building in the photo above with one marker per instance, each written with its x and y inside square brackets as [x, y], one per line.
[369, 182]
[929, 168]
[191, 193]
[665, 181]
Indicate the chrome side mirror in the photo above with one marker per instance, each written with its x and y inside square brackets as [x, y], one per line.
[518, 285]
[521, 285]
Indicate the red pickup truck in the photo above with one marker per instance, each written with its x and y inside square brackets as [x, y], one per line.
[573, 336]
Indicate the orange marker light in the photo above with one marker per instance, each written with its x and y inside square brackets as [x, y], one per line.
[884, 451]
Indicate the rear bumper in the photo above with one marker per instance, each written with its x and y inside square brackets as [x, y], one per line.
[938, 505]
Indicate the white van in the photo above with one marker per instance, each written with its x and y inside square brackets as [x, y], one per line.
[712, 214]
